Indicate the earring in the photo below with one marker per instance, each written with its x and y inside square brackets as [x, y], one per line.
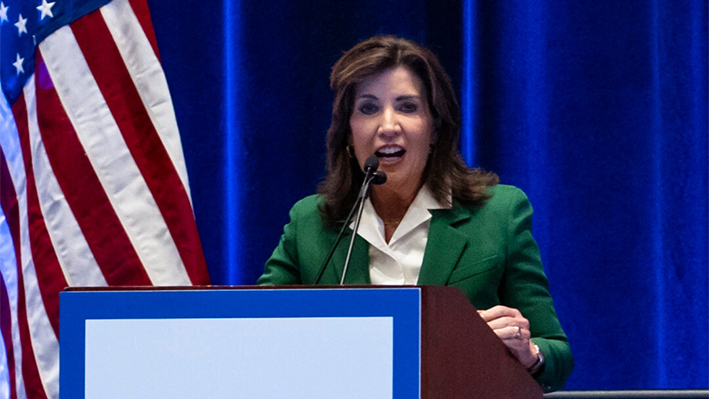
[350, 152]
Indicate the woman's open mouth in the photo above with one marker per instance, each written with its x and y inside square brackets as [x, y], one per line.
[390, 153]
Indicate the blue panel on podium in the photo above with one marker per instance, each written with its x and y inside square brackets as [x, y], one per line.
[225, 343]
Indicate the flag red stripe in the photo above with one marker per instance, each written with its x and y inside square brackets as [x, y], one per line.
[144, 143]
[50, 276]
[84, 193]
[8, 203]
[142, 12]
[30, 374]
[6, 331]
[98, 216]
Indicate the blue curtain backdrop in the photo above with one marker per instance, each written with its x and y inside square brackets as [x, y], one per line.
[598, 110]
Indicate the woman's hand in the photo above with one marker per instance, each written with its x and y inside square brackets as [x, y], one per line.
[513, 329]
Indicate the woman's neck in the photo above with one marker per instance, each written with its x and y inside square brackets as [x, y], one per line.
[391, 204]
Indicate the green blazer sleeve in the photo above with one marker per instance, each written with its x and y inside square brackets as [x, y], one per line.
[488, 253]
[524, 286]
[283, 267]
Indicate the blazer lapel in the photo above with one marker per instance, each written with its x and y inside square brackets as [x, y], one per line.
[445, 245]
[358, 269]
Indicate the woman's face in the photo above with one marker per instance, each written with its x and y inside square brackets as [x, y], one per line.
[391, 120]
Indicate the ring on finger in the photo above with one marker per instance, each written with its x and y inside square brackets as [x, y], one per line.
[518, 334]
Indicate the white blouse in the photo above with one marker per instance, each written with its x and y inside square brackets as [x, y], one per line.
[399, 261]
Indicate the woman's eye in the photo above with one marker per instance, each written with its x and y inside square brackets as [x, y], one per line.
[368, 108]
[408, 107]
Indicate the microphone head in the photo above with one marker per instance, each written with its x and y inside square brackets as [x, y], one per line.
[379, 178]
[371, 164]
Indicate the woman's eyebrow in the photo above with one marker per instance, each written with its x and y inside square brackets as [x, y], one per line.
[368, 96]
[403, 97]
[408, 97]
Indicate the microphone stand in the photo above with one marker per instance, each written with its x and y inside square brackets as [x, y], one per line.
[337, 241]
[361, 199]
[376, 179]
[371, 176]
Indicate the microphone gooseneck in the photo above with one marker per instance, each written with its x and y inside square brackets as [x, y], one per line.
[371, 176]
[370, 169]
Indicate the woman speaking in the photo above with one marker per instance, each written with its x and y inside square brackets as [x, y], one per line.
[434, 221]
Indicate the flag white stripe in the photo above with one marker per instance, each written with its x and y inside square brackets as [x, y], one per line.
[9, 141]
[118, 175]
[8, 269]
[4, 367]
[75, 257]
[148, 76]
[44, 342]
[111, 159]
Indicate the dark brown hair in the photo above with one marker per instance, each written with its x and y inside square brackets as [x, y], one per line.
[446, 172]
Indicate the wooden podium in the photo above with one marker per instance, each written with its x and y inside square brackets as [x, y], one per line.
[285, 342]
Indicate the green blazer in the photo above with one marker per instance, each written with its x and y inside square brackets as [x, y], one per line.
[489, 253]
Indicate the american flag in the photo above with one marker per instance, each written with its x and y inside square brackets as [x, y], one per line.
[93, 184]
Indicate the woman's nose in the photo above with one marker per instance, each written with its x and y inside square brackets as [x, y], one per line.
[389, 124]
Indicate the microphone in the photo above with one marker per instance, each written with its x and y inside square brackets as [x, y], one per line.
[370, 169]
[371, 164]
[379, 178]
[371, 176]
